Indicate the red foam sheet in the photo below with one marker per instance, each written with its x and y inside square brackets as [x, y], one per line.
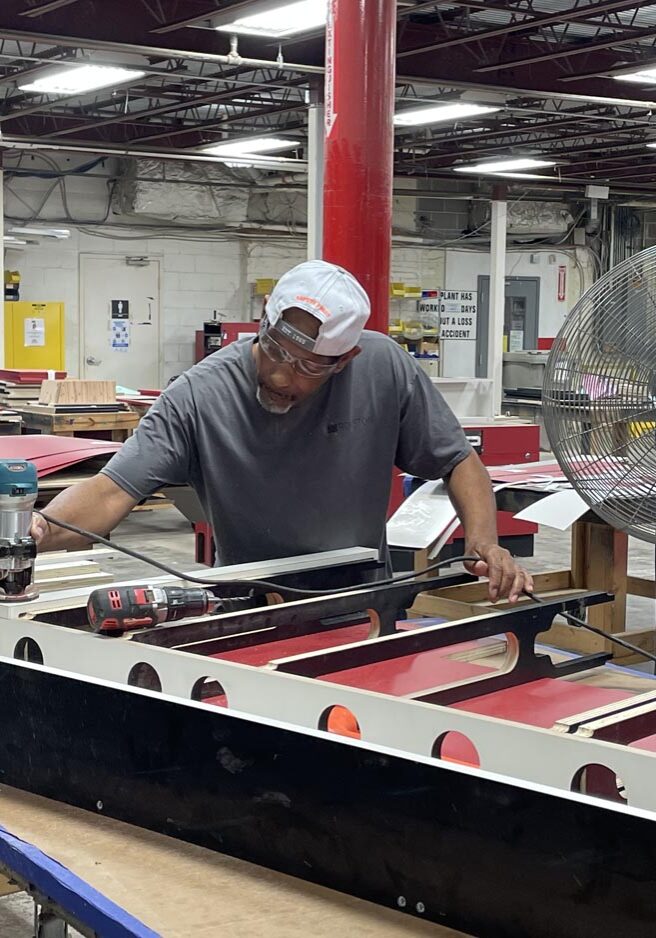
[410, 674]
[260, 655]
[543, 702]
[648, 743]
[53, 453]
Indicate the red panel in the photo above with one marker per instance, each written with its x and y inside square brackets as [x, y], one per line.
[232, 330]
[545, 345]
[53, 453]
[513, 443]
[259, 655]
[648, 743]
[408, 675]
[199, 346]
[28, 375]
[543, 702]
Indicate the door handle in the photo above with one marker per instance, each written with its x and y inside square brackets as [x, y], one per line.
[93, 361]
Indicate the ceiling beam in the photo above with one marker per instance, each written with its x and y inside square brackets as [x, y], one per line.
[531, 25]
[49, 7]
[158, 52]
[584, 48]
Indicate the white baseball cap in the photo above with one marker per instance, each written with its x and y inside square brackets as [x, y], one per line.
[329, 293]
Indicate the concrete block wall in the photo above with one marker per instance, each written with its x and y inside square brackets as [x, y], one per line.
[195, 279]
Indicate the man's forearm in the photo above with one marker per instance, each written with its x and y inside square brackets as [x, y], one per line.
[96, 504]
[471, 492]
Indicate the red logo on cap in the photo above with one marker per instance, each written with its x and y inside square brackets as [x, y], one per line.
[315, 303]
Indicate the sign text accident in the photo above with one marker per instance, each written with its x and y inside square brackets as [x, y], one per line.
[458, 314]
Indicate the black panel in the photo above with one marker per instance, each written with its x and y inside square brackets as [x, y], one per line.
[485, 857]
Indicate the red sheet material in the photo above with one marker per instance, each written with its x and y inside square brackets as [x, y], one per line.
[54, 453]
[259, 655]
[410, 674]
[27, 375]
[543, 702]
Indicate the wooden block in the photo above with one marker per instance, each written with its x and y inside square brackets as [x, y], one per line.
[73, 580]
[53, 571]
[477, 592]
[599, 562]
[572, 638]
[640, 586]
[75, 391]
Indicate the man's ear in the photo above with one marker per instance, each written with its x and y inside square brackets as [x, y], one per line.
[346, 358]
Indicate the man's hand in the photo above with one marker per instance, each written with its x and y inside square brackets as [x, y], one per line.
[507, 578]
[39, 529]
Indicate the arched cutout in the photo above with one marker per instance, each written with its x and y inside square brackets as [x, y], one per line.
[144, 675]
[456, 747]
[209, 691]
[600, 781]
[341, 721]
[28, 650]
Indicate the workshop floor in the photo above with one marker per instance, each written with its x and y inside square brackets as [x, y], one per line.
[166, 536]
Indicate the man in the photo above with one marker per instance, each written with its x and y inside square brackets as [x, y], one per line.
[290, 440]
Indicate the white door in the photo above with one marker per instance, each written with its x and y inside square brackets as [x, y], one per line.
[119, 317]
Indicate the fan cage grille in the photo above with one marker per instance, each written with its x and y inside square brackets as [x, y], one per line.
[599, 396]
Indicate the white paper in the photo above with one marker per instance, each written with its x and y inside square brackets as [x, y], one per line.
[422, 517]
[35, 332]
[516, 341]
[559, 510]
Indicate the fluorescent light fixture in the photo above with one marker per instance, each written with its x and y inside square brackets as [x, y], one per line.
[509, 165]
[436, 113]
[82, 79]
[250, 146]
[13, 242]
[60, 233]
[646, 76]
[284, 20]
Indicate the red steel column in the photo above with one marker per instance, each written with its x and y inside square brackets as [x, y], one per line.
[359, 150]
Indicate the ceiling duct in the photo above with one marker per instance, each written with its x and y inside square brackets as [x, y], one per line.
[183, 192]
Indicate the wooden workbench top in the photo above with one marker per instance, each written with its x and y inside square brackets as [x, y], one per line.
[181, 890]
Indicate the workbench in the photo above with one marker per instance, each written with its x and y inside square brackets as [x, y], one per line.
[456, 772]
[10, 423]
[119, 425]
[180, 890]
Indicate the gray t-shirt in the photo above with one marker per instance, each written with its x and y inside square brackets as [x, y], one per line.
[314, 479]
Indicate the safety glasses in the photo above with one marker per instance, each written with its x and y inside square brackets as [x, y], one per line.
[303, 366]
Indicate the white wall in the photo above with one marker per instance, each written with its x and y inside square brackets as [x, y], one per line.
[463, 269]
[204, 274]
[196, 278]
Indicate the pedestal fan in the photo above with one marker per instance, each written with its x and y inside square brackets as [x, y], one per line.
[599, 396]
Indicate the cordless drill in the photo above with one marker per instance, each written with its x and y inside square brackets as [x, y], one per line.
[118, 609]
[18, 491]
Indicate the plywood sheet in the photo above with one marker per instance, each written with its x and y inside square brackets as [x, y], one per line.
[76, 391]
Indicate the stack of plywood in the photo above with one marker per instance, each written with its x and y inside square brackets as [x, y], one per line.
[19, 386]
[73, 396]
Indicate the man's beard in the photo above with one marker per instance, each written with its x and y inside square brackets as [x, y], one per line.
[268, 405]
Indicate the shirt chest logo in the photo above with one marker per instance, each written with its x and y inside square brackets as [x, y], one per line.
[342, 426]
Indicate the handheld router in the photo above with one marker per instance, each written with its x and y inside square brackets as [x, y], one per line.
[18, 491]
